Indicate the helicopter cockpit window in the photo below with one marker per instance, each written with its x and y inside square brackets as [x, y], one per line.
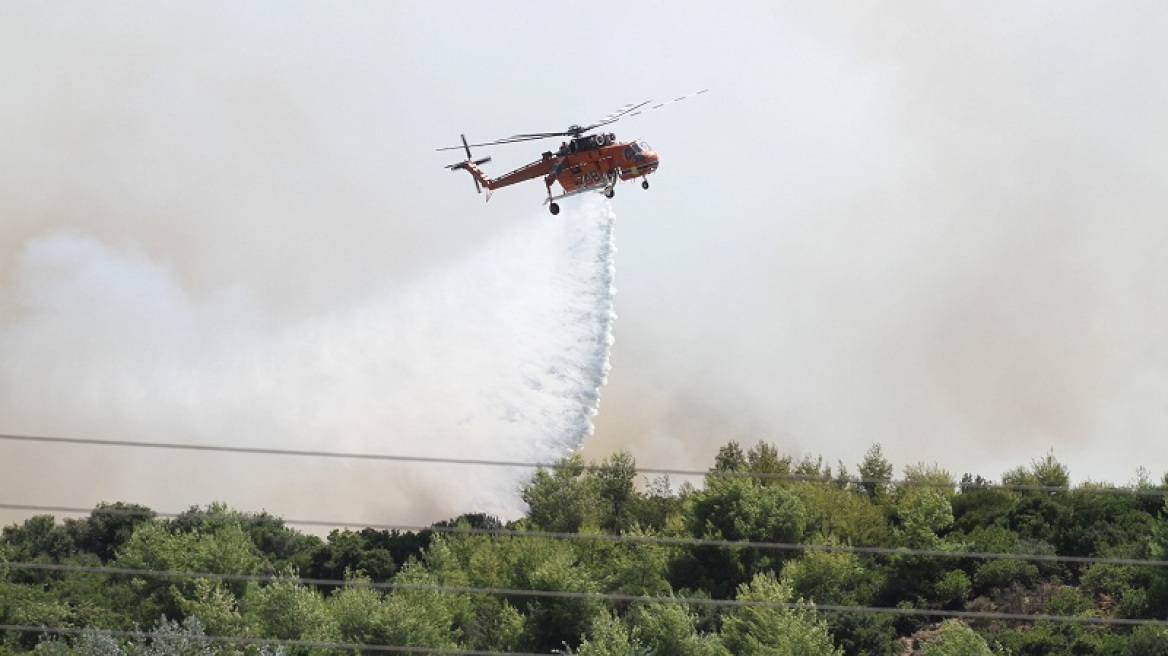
[644, 146]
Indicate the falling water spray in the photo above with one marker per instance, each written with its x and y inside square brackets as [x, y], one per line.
[500, 356]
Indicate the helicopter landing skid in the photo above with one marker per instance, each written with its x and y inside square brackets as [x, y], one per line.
[608, 188]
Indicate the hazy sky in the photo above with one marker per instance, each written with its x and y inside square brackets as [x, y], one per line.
[936, 226]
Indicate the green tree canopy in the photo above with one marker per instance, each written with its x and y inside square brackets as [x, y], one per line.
[752, 630]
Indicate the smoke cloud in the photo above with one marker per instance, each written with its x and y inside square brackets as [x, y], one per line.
[939, 228]
[498, 356]
[966, 264]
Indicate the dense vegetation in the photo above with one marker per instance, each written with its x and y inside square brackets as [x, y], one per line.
[670, 585]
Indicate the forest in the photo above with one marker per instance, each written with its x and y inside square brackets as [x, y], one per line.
[765, 554]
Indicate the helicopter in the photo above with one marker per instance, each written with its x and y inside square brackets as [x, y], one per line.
[584, 162]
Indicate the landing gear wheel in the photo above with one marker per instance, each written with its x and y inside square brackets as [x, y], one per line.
[609, 193]
[644, 184]
[554, 208]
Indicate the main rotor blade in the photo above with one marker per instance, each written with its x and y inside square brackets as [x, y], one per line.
[670, 102]
[536, 135]
[616, 116]
[577, 130]
[632, 109]
[517, 138]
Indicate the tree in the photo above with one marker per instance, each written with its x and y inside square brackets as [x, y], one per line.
[1042, 518]
[526, 563]
[167, 638]
[421, 617]
[1045, 472]
[350, 553]
[361, 614]
[843, 515]
[730, 458]
[1147, 641]
[1003, 573]
[924, 514]
[932, 477]
[741, 509]
[490, 622]
[979, 508]
[829, 577]
[736, 509]
[38, 539]
[953, 588]
[287, 610]
[108, 527]
[610, 637]
[863, 634]
[560, 500]
[548, 623]
[629, 567]
[614, 480]
[1122, 589]
[29, 605]
[214, 605]
[763, 458]
[282, 547]
[660, 507]
[812, 468]
[1111, 524]
[670, 628]
[955, 638]
[739, 503]
[775, 631]
[875, 472]
[224, 549]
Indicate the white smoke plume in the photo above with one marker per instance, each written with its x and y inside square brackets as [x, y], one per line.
[498, 356]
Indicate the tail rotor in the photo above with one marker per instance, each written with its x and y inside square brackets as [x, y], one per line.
[466, 164]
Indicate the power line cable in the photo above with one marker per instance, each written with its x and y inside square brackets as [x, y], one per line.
[637, 539]
[518, 464]
[591, 596]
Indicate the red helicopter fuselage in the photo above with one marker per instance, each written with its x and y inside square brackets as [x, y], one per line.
[587, 163]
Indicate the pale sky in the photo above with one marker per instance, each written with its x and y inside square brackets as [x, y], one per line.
[937, 226]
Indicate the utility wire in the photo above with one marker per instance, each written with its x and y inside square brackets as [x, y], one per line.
[436, 460]
[591, 596]
[633, 538]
